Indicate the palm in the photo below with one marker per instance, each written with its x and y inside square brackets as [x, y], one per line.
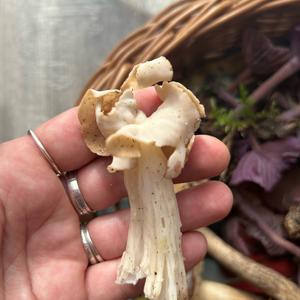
[42, 253]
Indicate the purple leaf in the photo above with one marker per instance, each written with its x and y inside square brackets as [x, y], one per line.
[261, 56]
[264, 166]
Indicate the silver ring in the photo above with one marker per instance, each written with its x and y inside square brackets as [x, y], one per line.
[45, 153]
[75, 195]
[92, 253]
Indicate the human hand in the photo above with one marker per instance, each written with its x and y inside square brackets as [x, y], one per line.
[41, 250]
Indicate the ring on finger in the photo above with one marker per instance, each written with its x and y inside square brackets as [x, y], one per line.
[91, 251]
[45, 153]
[75, 195]
[69, 179]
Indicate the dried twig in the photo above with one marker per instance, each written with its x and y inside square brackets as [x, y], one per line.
[271, 282]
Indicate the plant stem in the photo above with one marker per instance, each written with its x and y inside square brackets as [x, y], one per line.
[287, 70]
[227, 97]
[252, 215]
[290, 114]
[228, 141]
[244, 76]
[253, 141]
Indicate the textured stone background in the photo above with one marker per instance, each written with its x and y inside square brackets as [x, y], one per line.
[50, 48]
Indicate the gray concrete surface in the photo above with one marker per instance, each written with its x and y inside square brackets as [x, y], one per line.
[50, 48]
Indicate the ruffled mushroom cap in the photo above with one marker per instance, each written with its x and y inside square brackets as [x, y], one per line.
[118, 126]
[92, 135]
[148, 73]
[170, 127]
[142, 75]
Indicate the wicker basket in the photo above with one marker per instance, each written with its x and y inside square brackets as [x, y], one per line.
[191, 32]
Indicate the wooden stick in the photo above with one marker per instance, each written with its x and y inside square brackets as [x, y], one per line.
[268, 280]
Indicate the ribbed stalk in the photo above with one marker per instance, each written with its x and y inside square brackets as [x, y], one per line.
[154, 238]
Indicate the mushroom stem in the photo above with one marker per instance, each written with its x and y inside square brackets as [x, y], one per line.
[271, 282]
[287, 70]
[154, 238]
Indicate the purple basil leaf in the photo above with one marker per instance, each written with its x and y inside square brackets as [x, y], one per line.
[264, 166]
[261, 56]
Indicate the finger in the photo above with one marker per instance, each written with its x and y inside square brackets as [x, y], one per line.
[104, 274]
[100, 188]
[208, 158]
[147, 100]
[204, 204]
[62, 137]
[200, 206]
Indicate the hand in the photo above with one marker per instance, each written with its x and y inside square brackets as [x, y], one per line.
[41, 251]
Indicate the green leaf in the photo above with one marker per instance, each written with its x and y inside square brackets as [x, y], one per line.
[226, 119]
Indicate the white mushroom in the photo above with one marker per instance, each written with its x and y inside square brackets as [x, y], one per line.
[150, 151]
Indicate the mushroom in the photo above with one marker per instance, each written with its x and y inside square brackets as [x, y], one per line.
[150, 151]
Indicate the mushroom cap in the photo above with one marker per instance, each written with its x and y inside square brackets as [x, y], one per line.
[113, 125]
[123, 112]
[87, 117]
[142, 75]
[148, 73]
[171, 127]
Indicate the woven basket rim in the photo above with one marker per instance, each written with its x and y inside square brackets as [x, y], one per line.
[183, 24]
